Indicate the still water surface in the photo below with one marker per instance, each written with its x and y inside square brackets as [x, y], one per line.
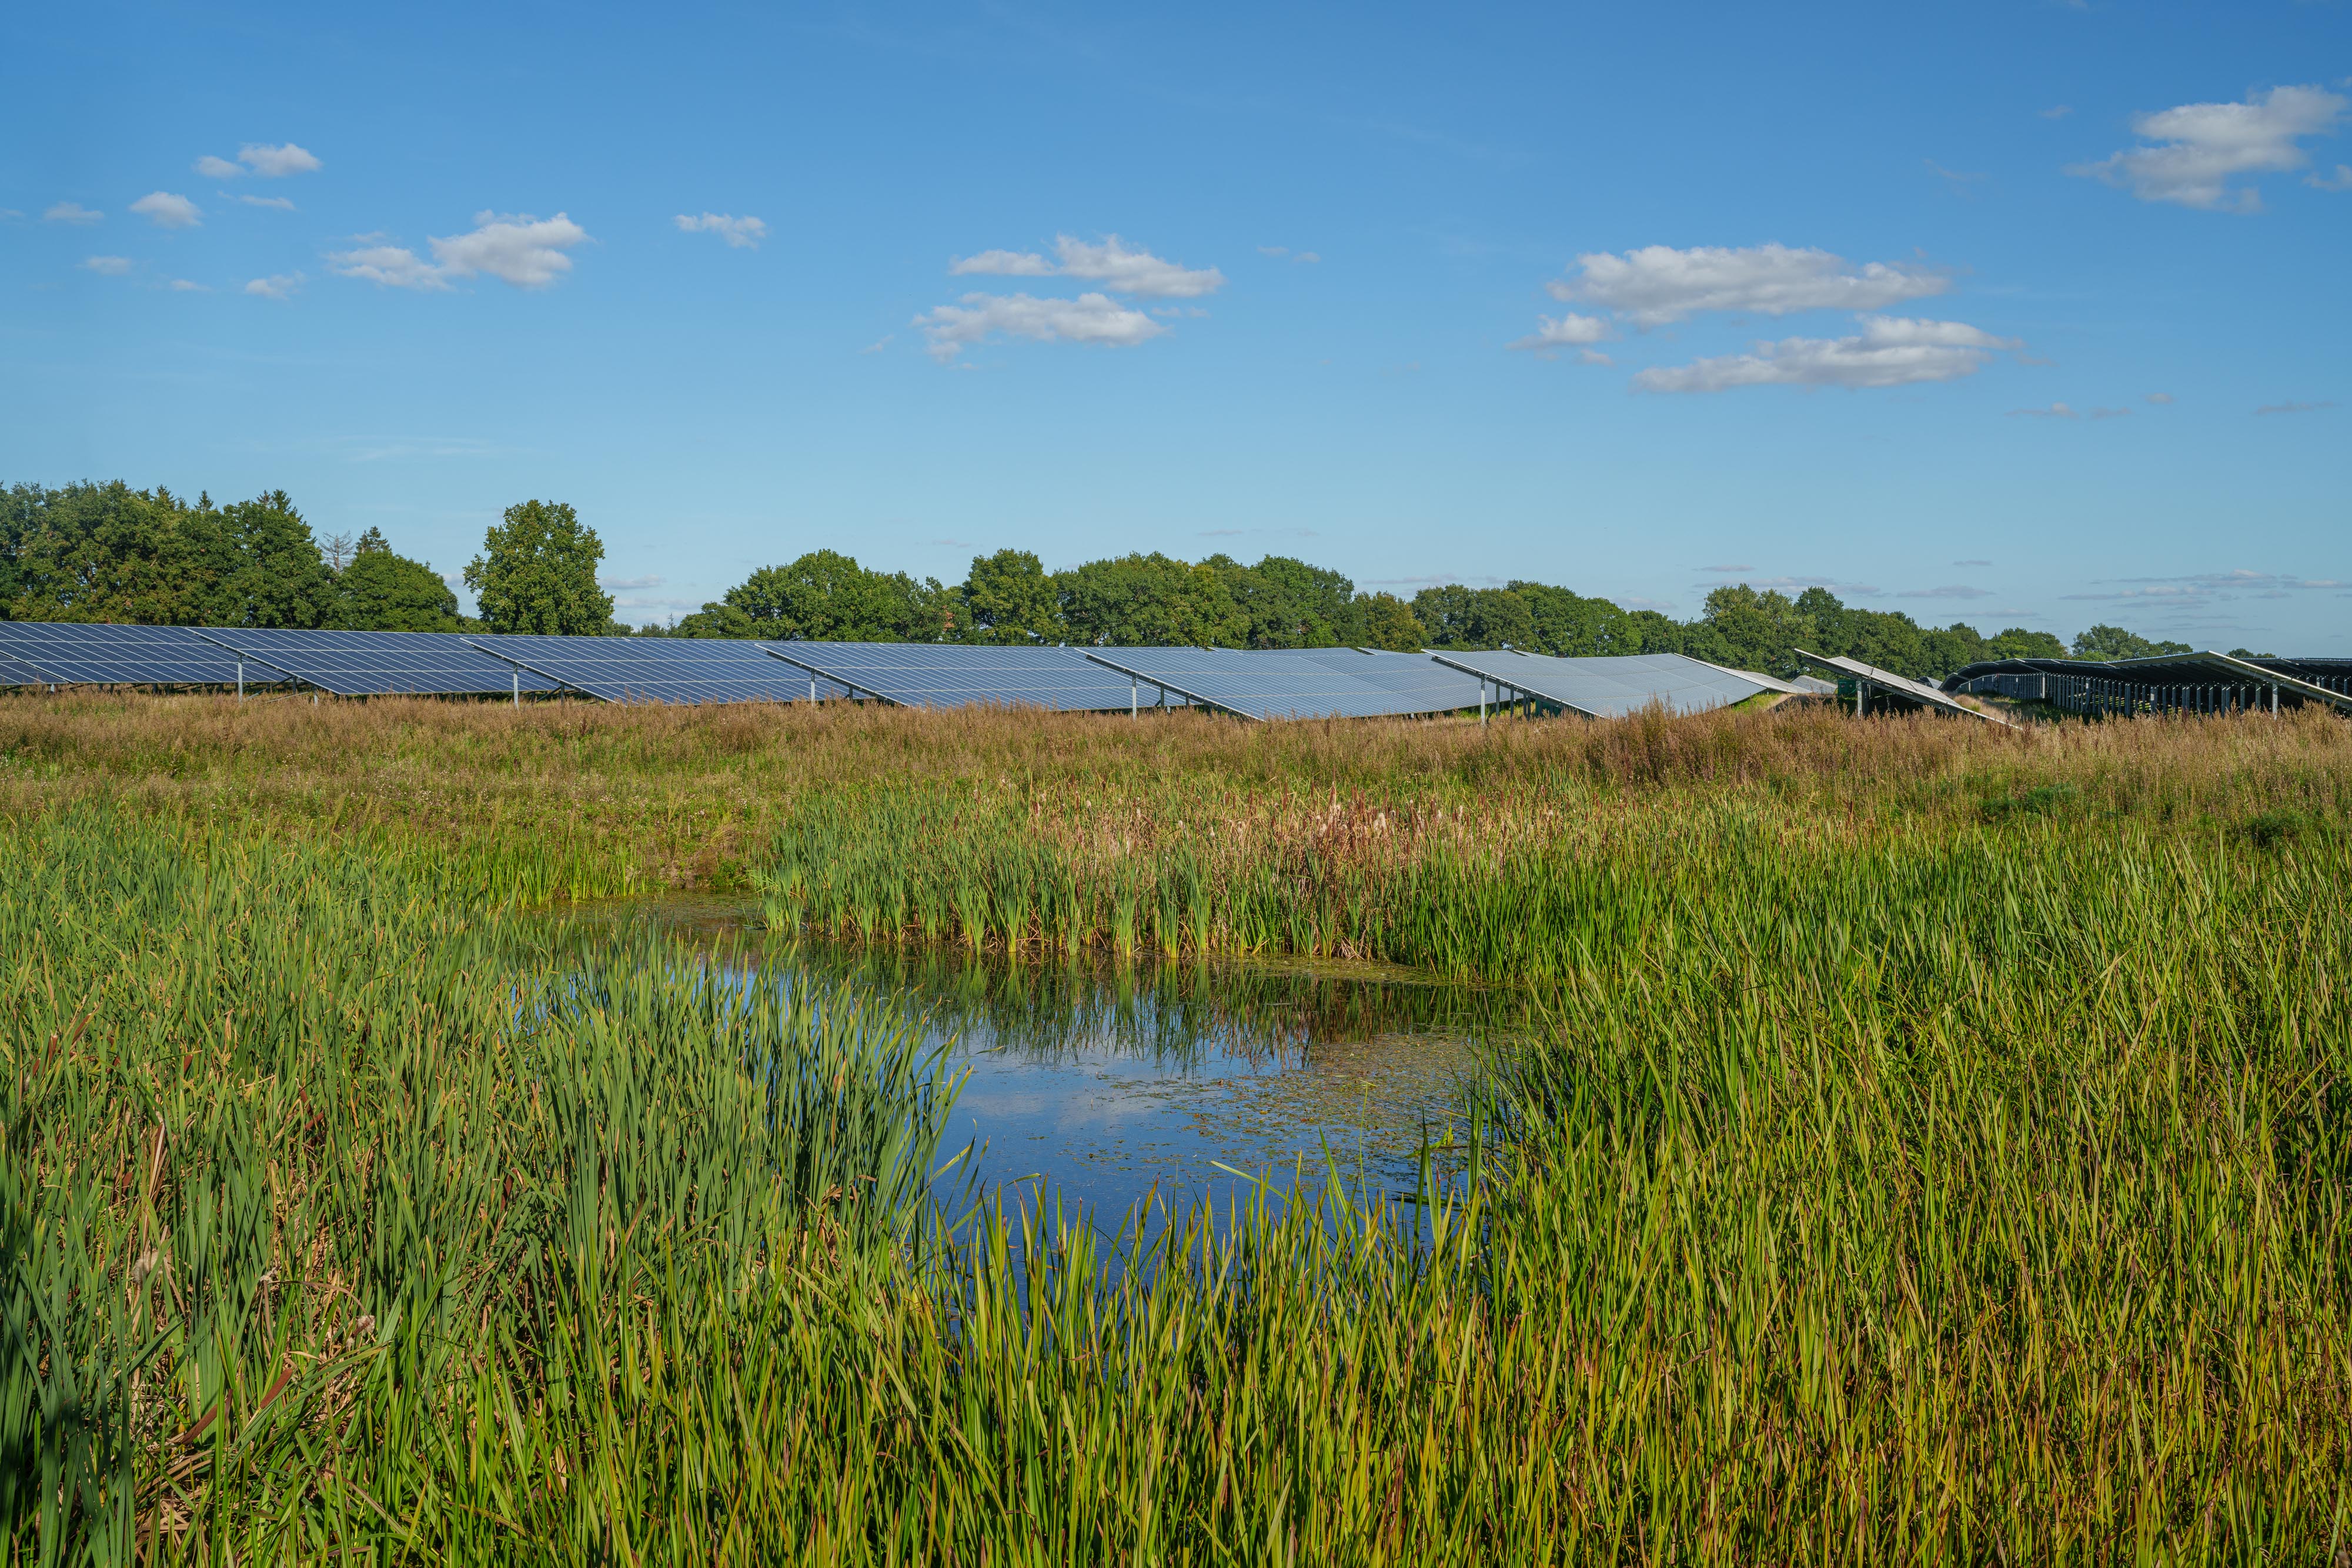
[1111, 1082]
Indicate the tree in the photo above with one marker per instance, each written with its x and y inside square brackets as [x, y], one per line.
[1568, 625]
[1009, 598]
[1459, 617]
[1285, 603]
[2101, 642]
[107, 552]
[826, 597]
[537, 572]
[1149, 600]
[271, 573]
[2017, 642]
[1384, 621]
[1754, 631]
[380, 591]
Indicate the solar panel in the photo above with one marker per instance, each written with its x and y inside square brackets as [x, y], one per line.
[1920, 692]
[1611, 687]
[75, 654]
[381, 663]
[15, 672]
[954, 674]
[1286, 685]
[659, 669]
[1417, 676]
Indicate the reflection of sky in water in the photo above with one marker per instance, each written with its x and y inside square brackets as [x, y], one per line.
[1107, 1082]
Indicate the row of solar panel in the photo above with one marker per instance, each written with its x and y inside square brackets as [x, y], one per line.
[1311, 683]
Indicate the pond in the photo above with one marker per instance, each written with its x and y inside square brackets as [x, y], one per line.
[1108, 1084]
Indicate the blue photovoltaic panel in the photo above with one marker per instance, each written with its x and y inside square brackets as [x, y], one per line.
[1416, 675]
[951, 674]
[659, 669]
[381, 663]
[15, 672]
[78, 655]
[1262, 686]
[1611, 687]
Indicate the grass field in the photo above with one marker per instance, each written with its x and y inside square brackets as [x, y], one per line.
[1937, 1149]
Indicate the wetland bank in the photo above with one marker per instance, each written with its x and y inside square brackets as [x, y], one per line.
[1920, 1141]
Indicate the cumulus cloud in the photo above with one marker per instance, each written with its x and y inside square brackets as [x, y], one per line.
[1552, 335]
[2194, 150]
[107, 266]
[1659, 284]
[182, 286]
[275, 162]
[1119, 267]
[213, 168]
[1889, 350]
[1089, 318]
[525, 251]
[277, 203]
[741, 233]
[72, 213]
[278, 285]
[167, 211]
[2341, 179]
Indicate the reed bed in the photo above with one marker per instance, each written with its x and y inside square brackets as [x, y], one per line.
[1935, 1149]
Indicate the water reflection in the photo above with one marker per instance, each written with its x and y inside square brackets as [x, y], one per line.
[1107, 1082]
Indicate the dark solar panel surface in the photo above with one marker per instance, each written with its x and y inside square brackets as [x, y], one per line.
[15, 672]
[380, 664]
[1415, 675]
[940, 674]
[1264, 686]
[659, 669]
[79, 654]
[1612, 687]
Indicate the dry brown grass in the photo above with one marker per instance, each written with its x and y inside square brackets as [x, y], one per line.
[682, 797]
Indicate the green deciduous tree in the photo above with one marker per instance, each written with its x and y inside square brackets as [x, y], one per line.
[1459, 617]
[1148, 600]
[2104, 642]
[1384, 621]
[107, 552]
[1009, 598]
[270, 572]
[1283, 602]
[537, 573]
[380, 591]
[825, 596]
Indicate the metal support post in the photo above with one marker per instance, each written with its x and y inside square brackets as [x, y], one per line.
[1482, 699]
[518, 688]
[1133, 695]
[240, 680]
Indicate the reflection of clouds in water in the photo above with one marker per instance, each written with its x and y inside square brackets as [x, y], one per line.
[1111, 1082]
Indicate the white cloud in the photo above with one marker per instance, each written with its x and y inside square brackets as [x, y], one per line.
[167, 211]
[1113, 264]
[2341, 179]
[1308, 256]
[742, 233]
[107, 266]
[279, 285]
[275, 162]
[213, 168]
[1569, 331]
[71, 212]
[1002, 264]
[2198, 146]
[278, 204]
[1276, 251]
[2055, 410]
[1088, 318]
[2111, 413]
[628, 582]
[525, 251]
[1890, 350]
[878, 344]
[181, 285]
[1659, 284]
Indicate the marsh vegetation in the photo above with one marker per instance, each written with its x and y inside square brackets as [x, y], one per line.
[1931, 1144]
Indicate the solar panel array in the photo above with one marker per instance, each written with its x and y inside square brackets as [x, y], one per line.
[1286, 685]
[1614, 686]
[386, 663]
[1904, 687]
[71, 654]
[1434, 688]
[659, 669]
[934, 674]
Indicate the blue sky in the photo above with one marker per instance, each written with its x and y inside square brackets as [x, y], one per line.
[2019, 312]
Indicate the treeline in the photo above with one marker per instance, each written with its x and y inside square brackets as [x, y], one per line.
[109, 553]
